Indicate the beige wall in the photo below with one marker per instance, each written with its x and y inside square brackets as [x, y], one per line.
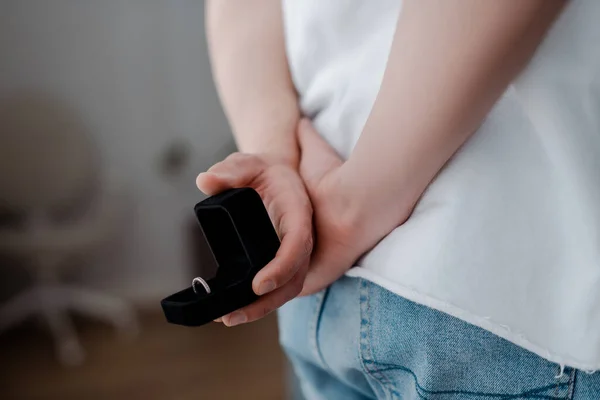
[138, 72]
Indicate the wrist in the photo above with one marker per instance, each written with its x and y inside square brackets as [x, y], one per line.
[349, 204]
[275, 141]
[272, 151]
[288, 160]
[372, 205]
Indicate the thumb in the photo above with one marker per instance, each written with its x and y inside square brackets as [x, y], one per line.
[318, 157]
[237, 170]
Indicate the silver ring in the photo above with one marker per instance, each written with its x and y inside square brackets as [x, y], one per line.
[202, 282]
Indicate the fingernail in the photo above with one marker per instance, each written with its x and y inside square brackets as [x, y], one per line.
[218, 320]
[235, 318]
[266, 287]
[199, 180]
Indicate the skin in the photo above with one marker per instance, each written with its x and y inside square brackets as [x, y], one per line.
[250, 68]
[449, 63]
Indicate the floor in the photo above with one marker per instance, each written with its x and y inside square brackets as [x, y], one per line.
[165, 362]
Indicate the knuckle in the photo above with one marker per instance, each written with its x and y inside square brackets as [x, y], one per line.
[307, 207]
[251, 164]
[237, 156]
[260, 309]
[234, 160]
[307, 244]
[218, 166]
[265, 310]
[243, 158]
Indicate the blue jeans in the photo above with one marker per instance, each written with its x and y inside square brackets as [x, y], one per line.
[357, 340]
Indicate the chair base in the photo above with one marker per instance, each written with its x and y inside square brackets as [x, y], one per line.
[54, 301]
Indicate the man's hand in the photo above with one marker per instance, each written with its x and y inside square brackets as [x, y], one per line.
[345, 228]
[289, 207]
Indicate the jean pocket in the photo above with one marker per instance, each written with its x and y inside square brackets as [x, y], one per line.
[298, 326]
[418, 352]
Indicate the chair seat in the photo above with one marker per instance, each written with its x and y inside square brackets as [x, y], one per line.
[72, 237]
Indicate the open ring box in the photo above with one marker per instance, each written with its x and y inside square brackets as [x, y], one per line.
[242, 238]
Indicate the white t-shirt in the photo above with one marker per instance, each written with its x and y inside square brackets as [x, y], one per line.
[507, 237]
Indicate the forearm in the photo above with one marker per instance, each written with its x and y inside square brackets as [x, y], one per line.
[246, 44]
[450, 61]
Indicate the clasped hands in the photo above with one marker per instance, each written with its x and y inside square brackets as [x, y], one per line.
[321, 215]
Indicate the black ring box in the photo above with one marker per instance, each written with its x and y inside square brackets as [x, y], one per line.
[242, 238]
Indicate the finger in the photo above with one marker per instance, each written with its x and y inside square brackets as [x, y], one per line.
[237, 170]
[319, 279]
[318, 157]
[325, 269]
[295, 230]
[267, 303]
[296, 247]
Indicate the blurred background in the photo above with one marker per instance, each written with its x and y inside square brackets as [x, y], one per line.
[107, 114]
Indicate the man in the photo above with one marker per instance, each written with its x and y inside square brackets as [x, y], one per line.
[455, 168]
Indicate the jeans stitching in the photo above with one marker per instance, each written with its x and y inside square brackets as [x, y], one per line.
[563, 373]
[314, 326]
[564, 381]
[366, 351]
[528, 394]
[572, 379]
[365, 343]
[557, 388]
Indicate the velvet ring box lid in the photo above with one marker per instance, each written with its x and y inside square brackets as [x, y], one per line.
[242, 238]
